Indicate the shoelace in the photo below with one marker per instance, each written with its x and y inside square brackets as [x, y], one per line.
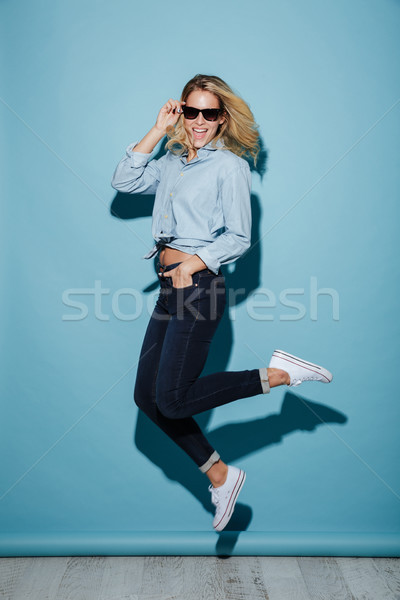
[299, 381]
[214, 495]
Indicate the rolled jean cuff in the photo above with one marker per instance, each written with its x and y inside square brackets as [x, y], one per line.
[211, 461]
[264, 380]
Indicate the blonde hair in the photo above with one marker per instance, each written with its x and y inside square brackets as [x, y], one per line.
[239, 130]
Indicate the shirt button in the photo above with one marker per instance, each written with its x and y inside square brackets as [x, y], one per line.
[165, 216]
[181, 174]
[171, 194]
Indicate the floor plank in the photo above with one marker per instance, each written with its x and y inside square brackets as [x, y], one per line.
[122, 578]
[162, 578]
[11, 570]
[389, 569]
[199, 578]
[41, 578]
[283, 578]
[236, 578]
[82, 578]
[202, 578]
[323, 579]
[242, 578]
[364, 579]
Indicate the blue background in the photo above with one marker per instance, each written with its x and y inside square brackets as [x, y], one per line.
[81, 470]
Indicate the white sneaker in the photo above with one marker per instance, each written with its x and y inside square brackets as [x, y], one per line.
[224, 497]
[299, 370]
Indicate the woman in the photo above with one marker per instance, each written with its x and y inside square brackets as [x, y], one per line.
[201, 220]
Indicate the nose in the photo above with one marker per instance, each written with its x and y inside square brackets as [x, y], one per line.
[200, 120]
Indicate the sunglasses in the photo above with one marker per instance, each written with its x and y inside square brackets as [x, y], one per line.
[210, 114]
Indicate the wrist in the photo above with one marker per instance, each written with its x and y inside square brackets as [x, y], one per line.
[192, 265]
[186, 269]
[159, 132]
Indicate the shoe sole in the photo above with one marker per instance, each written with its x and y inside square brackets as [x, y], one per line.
[232, 501]
[304, 364]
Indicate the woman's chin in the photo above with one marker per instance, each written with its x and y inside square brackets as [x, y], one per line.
[199, 143]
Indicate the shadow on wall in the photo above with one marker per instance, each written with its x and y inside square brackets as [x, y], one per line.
[241, 282]
[233, 440]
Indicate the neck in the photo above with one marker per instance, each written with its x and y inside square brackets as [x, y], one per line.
[191, 154]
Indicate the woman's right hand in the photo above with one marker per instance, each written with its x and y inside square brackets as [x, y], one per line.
[169, 114]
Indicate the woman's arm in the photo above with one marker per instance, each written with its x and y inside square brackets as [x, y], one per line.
[150, 140]
[234, 241]
[134, 173]
[236, 206]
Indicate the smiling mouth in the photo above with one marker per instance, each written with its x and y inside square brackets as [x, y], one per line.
[199, 133]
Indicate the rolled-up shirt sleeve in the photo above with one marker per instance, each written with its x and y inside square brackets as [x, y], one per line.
[236, 205]
[136, 173]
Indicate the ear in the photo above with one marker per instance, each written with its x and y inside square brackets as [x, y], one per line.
[223, 118]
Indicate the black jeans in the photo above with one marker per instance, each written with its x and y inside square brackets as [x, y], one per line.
[168, 385]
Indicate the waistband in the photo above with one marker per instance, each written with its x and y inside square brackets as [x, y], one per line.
[164, 268]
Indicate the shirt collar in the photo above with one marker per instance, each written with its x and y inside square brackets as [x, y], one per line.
[210, 146]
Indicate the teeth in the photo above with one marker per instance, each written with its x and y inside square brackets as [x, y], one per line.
[199, 130]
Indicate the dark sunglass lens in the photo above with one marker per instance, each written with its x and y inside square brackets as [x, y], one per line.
[210, 114]
[190, 112]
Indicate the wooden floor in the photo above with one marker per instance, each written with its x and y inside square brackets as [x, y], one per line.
[198, 578]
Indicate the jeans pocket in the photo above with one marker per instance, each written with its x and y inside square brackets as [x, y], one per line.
[195, 283]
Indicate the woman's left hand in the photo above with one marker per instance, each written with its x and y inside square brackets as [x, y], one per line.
[180, 277]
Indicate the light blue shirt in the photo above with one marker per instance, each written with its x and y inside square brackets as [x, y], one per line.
[201, 207]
